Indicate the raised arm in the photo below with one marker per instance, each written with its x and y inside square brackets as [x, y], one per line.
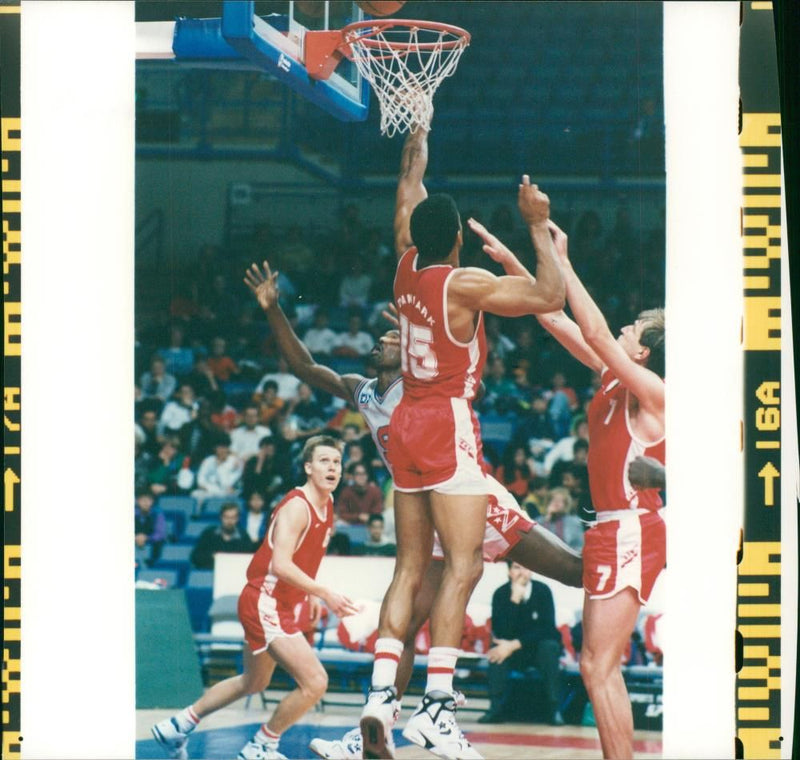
[410, 188]
[646, 385]
[518, 292]
[290, 523]
[264, 286]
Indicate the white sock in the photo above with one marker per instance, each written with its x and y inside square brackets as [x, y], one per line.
[387, 657]
[187, 719]
[265, 736]
[441, 664]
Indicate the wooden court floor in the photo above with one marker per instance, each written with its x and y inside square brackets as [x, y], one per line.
[222, 735]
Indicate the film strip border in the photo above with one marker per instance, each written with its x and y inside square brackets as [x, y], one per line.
[10, 147]
[758, 610]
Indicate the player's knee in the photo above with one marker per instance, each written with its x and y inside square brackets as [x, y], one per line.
[315, 684]
[408, 577]
[467, 569]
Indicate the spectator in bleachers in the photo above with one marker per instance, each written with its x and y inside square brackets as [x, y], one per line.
[269, 403]
[559, 518]
[157, 382]
[177, 357]
[564, 449]
[220, 473]
[287, 384]
[355, 341]
[498, 343]
[200, 436]
[201, 378]
[150, 527]
[360, 497]
[222, 304]
[256, 516]
[220, 363]
[223, 415]
[264, 472]
[514, 471]
[147, 426]
[580, 454]
[354, 452]
[376, 545]
[534, 429]
[163, 472]
[524, 635]
[246, 439]
[500, 392]
[225, 537]
[535, 500]
[304, 417]
[349, 421]
[179, 411]
[142, 462]
[355, 285]
[319, 338]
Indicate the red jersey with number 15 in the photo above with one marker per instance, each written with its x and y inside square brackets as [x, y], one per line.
[307, 555]
[434, 363]
[613, 447]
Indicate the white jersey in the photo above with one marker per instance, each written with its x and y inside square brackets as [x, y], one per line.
[504, 518]
[377, 411]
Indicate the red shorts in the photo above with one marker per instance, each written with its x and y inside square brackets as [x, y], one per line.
[629, 551]
[265, 619]
[436, 444]
[505, 522]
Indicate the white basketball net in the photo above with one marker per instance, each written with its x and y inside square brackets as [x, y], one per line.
[405, 66]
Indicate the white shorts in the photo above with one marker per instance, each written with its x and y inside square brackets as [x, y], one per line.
[504, 522]
[264, 619]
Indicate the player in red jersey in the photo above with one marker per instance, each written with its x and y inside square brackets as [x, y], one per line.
[435, 443]
[280, 577]
[625, 550]
[508, 531]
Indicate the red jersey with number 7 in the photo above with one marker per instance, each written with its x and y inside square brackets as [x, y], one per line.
[613, 446]
[307, 554]
[433, 362]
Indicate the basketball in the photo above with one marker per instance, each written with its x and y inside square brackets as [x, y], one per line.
[380, 8]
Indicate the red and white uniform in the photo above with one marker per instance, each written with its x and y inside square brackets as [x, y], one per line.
[268, 606]
[504, 521]
[627, 545]
[435, 435]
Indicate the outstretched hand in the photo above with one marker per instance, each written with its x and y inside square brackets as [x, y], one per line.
[492, 245]
[263, 285]
[534, 205]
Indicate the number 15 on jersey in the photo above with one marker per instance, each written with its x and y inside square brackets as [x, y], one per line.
[417, 356]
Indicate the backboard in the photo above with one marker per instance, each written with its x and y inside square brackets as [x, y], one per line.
[272, 43]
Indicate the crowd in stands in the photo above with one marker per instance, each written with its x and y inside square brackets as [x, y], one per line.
[219, 417]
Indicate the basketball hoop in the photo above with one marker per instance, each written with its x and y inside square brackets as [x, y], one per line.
[404, 61]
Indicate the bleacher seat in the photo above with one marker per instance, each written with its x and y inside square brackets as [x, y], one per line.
[185, 504]
[212, 504]
[193, 530]
[175, 557]
[199, 592]
[176, 519]
[497, 430]
[356, 533]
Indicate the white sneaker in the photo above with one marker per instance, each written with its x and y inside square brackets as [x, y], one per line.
[433, 726]
[349, 747]
[171, 738]
[380, 713]
[255, 751]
